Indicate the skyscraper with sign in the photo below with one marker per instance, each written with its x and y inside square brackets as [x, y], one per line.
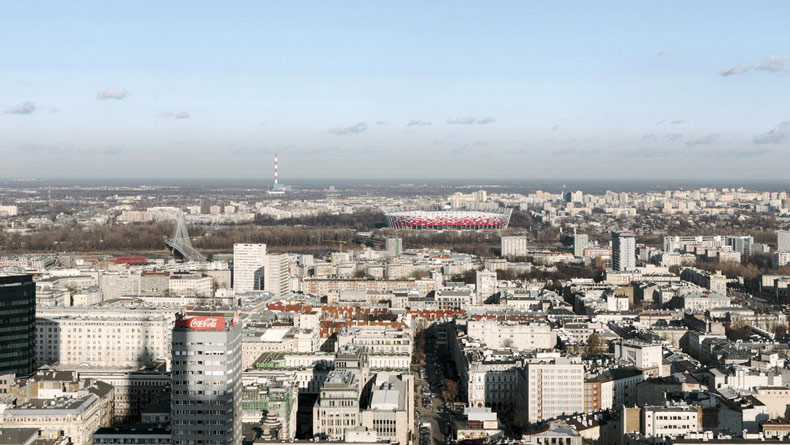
[206, 381]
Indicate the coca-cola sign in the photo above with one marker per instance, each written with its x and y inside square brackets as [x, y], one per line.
[203, 323]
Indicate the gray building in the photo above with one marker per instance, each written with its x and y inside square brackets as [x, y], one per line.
[742, 244]
[206, 381]
[394, 246]
[783, 241]
[580, 242]
[18, 324]
[623, 251]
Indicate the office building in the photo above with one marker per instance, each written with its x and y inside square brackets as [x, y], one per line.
[394, 246]
[254, 269]
[276, 275]
[17, 324]
[783, 241]
[623, 251]
[741, 244]
[206, 381]
[513, 246]
[580, 242]
[249, 261]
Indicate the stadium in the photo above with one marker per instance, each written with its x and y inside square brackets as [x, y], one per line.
[460, 219]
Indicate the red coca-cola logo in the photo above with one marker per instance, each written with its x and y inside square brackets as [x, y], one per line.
[203, 323]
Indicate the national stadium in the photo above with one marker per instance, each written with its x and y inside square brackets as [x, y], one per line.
[453, 219]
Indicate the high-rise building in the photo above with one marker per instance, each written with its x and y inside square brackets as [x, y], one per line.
[580, 243]
[783, 241]
[741, 244]
[552, 388]
[17, 324]
[249, 261]
[623, 251]
[513, 246]
[485, 285]
[206, 389]
[276, 275]
[254, 269]
[394, 246]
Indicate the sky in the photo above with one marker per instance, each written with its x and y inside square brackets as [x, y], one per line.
[511, 90]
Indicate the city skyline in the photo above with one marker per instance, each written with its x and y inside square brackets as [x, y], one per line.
[622, 91]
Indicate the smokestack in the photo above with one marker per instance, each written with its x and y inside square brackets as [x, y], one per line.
[275, 169]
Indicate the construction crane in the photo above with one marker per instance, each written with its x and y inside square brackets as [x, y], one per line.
[338, 242]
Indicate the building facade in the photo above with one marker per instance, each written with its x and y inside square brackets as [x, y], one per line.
[17, 324]
[206, 381]
[249, 261]
[623, 251]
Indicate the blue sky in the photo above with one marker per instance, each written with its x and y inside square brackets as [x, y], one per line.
[395, 89]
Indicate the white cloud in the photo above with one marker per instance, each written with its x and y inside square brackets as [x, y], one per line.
[777, 135]
[417, 123]
[357, 128]
[704, 140]
[773, 64]
[470, 121]
[112, 93]
[735, 71]
[179, 115]
[23, 108]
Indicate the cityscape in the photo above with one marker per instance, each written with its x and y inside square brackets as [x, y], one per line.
[394, 224]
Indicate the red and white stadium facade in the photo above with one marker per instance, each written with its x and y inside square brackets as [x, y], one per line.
[449, 219]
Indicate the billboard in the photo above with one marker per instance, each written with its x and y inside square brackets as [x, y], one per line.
[203, 323]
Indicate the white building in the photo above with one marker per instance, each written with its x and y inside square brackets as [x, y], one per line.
[496, 334]
[9, 211]
[249, 261]
[394, 247]
[337, 408]
[780, 259]
[277, 276]
[552, 387]
[783, 241]
[191, 285]
[580, 242]
[641, 354]
[485, 285]
[513, 246]
[109, 341]
[254, 269]
[671, 421]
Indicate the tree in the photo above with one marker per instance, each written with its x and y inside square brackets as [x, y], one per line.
[450, 391]
[596, 345]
